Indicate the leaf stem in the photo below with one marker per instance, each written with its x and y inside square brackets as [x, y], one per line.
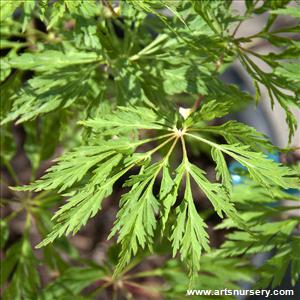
[14, 214]
[170, 150]
[149, 153]
[212, 144]
[141, 142]
[185, 157]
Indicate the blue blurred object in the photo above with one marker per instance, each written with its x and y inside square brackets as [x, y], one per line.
[237, 172]
[294, 192]
[274, 156]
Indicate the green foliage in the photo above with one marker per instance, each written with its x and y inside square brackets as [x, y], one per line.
[131, 91]
[136, 220]
[261, 210]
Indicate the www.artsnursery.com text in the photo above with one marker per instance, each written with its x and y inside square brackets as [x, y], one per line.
[228, 292]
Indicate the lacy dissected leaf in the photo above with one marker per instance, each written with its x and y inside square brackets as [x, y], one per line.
[8, 8]
[216, 195]
[169, 191]
[289, 11]
[154, 7]
[220, 100]
[261, 169]
[274, 270]
[43, 94]
[136, 220]
[189, 234]
[89, 173]
[264, 238]
[275, 86]
[73, 280]
[59, 9]
[290, 71]
[237, 132]
[73, 166]
[209, 111]
[21, 264]
[86, 201]
[256, 204]
[82, 59]
[216, 273]
[52, 59]
[215, 14]
[222, 171]
[185, 79]
[259, 210]
[128, 119]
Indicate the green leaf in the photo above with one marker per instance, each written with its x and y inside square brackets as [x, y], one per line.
[72, 167]
[221, 168]
[5, 68]
[128, 119]
[185, 79]
[260, 209]
[57, 12]
[86, 202]
[209, 111]
[25, 281]
[189, 236]
[43, 94]
[52, 59]
[4, 233]
[8, 145]
[216, 195]
[290, 71]
[236, 132]
[136, 220]
[169, 191]
[28, 7]
[7, 9]
[150, 57]
[261, 169]
[289, 11]
[71, 283]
